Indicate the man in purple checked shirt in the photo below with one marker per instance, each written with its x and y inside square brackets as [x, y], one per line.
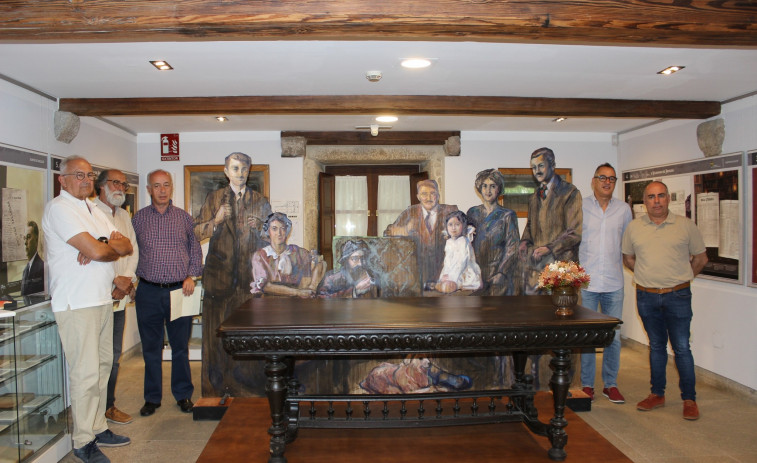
[169, 258]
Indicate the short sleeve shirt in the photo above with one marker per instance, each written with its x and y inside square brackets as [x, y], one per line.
[73, 286]
[663, 252]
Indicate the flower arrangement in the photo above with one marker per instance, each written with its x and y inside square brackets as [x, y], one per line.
[563, 273]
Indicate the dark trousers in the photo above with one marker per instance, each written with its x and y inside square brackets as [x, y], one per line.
[153, 314]
[119, 320]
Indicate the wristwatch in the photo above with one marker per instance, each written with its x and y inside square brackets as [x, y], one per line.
[103, 239]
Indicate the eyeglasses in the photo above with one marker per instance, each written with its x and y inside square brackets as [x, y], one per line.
[605, 178]
[118, 183]
[80, 175]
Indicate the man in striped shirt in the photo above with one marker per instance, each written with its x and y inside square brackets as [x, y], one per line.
[169, 258]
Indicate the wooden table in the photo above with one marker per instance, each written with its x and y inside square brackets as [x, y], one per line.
[284, 329]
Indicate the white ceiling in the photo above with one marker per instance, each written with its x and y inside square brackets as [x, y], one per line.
[122, 70]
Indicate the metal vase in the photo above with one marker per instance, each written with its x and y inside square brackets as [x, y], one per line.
[564, 298]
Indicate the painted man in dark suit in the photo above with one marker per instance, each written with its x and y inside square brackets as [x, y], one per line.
[552, 233]
[555, 218]
[231, 218]
[424, 223]
[33, 279]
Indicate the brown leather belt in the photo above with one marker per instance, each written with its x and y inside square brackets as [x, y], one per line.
[664, 290]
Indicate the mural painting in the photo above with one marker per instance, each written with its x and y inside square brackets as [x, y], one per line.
[424, 223]
[231, 218]
[431, 250]
[552, 233]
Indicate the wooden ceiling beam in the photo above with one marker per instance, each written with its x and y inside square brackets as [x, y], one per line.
[400, 105]
[385, 137]
[641, 22]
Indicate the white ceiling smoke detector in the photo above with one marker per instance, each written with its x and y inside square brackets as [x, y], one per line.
[373, 76]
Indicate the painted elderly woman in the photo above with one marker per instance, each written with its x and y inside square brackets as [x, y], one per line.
[283, 269]
[497, 236]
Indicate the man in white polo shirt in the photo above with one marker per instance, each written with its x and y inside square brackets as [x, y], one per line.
[81, 244]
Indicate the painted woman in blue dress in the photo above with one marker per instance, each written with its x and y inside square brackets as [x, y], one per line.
[497, 237]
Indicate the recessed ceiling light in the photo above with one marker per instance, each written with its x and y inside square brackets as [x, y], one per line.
[387, 119]
[161, 65]
[671, 70]
[416, 63]
[559, 119]
[222, 118]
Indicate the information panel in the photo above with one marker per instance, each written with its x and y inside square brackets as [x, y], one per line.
[709, 192]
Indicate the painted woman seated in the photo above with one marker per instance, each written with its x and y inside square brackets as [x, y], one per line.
[282, 269]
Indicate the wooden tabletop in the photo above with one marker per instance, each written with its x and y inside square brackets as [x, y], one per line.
[267, 325]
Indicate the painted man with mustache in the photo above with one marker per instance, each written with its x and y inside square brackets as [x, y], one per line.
[553, 229]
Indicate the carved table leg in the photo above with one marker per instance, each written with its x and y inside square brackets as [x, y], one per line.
[276, 389]
[292, 406]
[560, 383]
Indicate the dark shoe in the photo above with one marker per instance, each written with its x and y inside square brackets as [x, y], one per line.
[148, 409]
[108, 439]
[90, 453]
[690, 410]
[589, 391]
[651, 402]
[185, 405]
[614, 395]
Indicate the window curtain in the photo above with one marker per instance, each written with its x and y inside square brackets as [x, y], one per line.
[351, 198]
[393, 198]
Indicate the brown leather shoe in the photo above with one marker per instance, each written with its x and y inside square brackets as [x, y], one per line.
[115, 415]
[651, 402]
[690, 410]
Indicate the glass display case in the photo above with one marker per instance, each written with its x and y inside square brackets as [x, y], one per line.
[33, 414]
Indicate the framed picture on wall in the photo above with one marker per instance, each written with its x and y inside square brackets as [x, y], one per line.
[520, 184]
[201, 180]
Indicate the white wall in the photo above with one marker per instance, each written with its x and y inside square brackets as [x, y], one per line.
[725, 314]
[211, 148]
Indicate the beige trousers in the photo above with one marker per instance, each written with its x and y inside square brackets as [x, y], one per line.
[87, 339]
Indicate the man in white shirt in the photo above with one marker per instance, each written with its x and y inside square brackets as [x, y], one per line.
[80, 244]
[604, 220]
[111, 189]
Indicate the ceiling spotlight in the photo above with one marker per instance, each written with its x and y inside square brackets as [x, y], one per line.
[373, 76]
[222, 118]
[387, 119]
[559, 119]
[671, 70]
[161, 65]
[416, 63]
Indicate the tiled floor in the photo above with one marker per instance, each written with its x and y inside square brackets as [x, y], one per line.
[721, 435]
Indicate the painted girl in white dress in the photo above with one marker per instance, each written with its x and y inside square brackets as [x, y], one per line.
[460, 271]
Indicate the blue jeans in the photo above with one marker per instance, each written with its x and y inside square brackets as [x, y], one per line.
[668, 316]
[153, 313]
[612, 305]
[119, 320]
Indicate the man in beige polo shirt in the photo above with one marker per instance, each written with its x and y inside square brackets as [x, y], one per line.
[665, 251]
